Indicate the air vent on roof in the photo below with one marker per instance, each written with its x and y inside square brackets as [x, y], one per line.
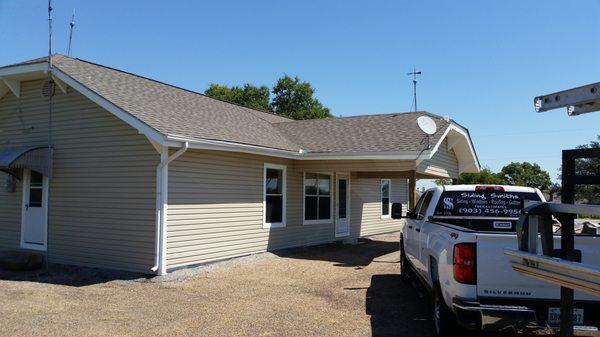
[48, 88]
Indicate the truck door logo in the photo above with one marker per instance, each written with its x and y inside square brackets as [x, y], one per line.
[448, 204]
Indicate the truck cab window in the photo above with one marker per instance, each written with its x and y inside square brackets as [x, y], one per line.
[424, 205]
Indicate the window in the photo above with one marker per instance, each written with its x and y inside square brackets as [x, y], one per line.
[425, 205]
[274, 196]
[36, 188]
[317, 198]
[386, 206]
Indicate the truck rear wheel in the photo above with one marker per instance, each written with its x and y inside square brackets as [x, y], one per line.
[444, 323]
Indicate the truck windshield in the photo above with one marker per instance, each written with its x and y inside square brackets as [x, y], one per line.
[496, 204]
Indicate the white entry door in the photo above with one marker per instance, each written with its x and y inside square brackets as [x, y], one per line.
[34, 213]
[342, 214]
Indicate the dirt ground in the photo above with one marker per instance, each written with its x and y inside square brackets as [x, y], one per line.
[332, 290]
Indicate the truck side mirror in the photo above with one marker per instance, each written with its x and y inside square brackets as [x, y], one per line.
[396, 210]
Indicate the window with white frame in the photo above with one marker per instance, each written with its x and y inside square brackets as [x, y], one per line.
[317, 198]
[274, 196]
[386, 206]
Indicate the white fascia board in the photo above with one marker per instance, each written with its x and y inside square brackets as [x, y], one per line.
[3, 89]
[60, 84]
[404, 155]
[216, 145]
[463, 132]
[471, 148]
[64, 80]
[24, 69]
[142, 127]
[13, 85]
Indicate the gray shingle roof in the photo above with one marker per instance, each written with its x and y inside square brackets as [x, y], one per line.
[179, 112]
[370, 133]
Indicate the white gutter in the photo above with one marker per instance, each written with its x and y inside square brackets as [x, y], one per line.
[162, 202]
[209, 144]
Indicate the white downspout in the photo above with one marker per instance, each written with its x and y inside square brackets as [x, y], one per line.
[162, 199]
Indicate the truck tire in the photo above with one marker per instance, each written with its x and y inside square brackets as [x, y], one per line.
[405, 268]
[444, 322]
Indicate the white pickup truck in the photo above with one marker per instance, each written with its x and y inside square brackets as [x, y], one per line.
[453, 242]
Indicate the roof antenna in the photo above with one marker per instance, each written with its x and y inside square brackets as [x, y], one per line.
[72, 24]
[414, 74]
[50, 93]
[49, 37]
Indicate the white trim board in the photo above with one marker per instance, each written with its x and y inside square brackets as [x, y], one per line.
[45, 205]
[110, 107]
[331, 201]
[195, 143]
[463, 133]
[342, 176]
[281, 224]
[389, 215]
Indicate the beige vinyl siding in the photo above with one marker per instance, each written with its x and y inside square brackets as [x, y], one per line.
[216, 208]
[102, 196]
[443, 164]
[10, 213]
[216, 212]
[215, 205]
[365, 217]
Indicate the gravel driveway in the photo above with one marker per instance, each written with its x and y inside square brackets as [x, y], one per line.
[332, 290]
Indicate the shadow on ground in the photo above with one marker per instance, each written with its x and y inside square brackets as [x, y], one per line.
[396, 309]
[70, 275]
[357, 255]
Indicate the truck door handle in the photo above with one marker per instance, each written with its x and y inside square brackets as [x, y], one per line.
[418, 229]
[409, 227]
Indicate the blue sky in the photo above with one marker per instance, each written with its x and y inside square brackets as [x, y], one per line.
[482, 62]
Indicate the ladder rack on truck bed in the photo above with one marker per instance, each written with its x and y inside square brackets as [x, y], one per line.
[559, 266]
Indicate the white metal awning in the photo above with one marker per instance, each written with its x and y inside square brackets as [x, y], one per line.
[36, 158]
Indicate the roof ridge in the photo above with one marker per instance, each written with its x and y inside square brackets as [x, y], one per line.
[365, 115]
[170, 85]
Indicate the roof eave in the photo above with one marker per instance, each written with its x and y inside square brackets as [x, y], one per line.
[217, 145]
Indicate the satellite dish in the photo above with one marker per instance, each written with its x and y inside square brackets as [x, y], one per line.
[427, 125]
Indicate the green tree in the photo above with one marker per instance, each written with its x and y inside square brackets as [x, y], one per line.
[553, 191]
[526, 174]
[588, 166]
[249, 95]
[294, 98]
[484, 177]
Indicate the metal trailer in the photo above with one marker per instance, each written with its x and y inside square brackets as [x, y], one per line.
[560, 266]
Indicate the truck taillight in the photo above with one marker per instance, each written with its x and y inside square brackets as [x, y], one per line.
[463, 260]
[489, 188]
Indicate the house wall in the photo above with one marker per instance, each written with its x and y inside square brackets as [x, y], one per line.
[102, 196]
[366, 206]
[215, 206]
[443, 164]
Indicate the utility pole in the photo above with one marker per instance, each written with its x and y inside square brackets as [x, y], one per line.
[414, 74]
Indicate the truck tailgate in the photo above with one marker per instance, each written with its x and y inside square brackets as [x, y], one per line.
[496, 278]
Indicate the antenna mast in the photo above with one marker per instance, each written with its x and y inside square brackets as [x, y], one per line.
[414, 74]
[49, 37]
[51, 93]
[72, 24]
